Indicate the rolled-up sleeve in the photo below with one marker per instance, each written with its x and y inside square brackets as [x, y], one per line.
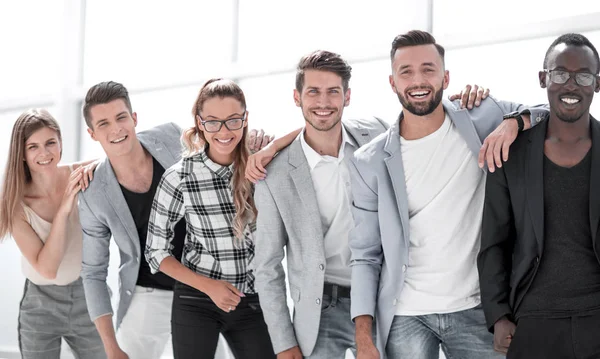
[167, 209]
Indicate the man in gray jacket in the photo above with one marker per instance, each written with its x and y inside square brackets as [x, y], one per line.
[304, 210]
[418, 200]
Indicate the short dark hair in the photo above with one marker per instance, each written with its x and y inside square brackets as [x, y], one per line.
[102, 93]
[323, 61]
[415, 38]
[572, 39]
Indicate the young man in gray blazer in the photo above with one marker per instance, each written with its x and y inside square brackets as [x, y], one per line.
[418, 199]
[304, 210]
[117, 204]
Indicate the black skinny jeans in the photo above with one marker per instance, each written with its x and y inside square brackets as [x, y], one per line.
[196, 322]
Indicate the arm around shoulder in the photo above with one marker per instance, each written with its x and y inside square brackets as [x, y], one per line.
[532, 115]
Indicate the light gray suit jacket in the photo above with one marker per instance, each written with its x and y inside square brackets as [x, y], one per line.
[103, 213]
[380, 240]
[288, 217]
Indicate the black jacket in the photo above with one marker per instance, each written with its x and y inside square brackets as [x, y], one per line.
[512, 237]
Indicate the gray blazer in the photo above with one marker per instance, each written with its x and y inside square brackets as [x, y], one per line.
[104, 213]
[288, 218]
[380, 240]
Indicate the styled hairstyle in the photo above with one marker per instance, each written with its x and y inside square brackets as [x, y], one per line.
[323, 61]
[194, 140]
[572, 39]
[415, 38]
[17, 173]
[102, 93]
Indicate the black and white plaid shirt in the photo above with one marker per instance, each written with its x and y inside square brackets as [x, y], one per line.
[200, 190]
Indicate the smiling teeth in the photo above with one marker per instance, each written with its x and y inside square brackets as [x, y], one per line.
[323, 113]
[224, 141]
[119, 139]
[420, 93]
[570, 101]
[45, 162]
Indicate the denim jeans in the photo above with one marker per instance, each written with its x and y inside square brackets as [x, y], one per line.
[336, 329]
[461, 335]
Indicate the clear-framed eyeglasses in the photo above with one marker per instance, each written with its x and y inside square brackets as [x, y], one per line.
[561, 77]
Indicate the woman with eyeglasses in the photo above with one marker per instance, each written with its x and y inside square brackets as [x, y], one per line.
[215, 290]
[38, 208]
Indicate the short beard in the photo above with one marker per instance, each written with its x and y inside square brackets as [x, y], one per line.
[427, 109]
[322, 129]
[566, 118]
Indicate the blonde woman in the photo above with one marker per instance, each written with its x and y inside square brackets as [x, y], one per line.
[38, 208]
[215, 290]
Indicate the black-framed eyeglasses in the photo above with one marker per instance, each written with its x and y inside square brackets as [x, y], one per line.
[561, 77]
[232, 124]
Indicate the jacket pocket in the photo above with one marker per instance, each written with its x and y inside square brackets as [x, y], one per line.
[295, 293]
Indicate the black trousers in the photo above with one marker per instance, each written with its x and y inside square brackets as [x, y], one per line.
[196, 323]
[576, 337]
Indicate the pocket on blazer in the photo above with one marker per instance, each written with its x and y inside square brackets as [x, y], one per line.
[295, 293]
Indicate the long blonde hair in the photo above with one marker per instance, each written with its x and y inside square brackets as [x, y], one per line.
[194, 141]
[17, 174]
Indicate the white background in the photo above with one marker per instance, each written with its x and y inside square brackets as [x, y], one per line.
[52, 51]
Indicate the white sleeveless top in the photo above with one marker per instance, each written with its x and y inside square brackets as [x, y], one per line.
[70, 267]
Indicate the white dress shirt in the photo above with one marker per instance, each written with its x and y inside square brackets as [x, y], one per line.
[331, 181]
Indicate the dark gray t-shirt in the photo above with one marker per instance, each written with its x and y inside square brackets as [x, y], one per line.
[568, 278]
[140, 205]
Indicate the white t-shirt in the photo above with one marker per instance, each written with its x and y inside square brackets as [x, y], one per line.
[331, 181]
[445, 190]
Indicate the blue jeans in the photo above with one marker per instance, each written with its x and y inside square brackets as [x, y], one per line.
[461, 335]
[336, 329]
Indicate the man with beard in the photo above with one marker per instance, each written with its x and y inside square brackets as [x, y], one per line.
[418, 198]
[540, 250]
[304, 209]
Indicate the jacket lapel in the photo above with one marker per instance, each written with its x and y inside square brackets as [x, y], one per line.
[115, 197]
[534, 181]
[465, 127]
[360, 135]
[395, 169]
[158, 150]
[300, 174]
[595, 179]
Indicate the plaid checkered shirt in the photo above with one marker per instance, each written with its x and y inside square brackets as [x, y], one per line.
[200, 190]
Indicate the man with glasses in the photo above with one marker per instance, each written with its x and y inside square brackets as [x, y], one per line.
[539, 261]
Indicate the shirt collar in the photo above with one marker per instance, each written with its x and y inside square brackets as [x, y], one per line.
[313, 157]
[225, 172]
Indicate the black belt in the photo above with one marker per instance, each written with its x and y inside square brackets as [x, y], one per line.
[341, 292]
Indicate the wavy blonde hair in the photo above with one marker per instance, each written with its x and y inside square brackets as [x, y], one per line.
[17, 174]
[194, 141]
